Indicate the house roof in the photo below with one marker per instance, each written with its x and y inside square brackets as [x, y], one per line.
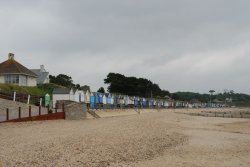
[61, 91]
[41, 75]
[11, 66]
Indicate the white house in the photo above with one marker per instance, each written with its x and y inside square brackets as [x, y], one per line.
[12, 72]
[42, 75]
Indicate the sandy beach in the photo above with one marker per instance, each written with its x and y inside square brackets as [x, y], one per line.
[126, 138]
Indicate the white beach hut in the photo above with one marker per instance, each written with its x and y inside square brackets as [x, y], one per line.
[87, 96]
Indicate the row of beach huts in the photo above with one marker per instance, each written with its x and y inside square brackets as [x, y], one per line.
[96, 100]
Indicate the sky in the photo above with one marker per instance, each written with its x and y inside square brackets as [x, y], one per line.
[194, 45]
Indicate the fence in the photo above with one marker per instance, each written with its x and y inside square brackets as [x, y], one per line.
[23, 98]
[32, 114]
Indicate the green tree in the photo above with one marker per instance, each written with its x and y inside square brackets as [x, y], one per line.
[101, 90]
[133, 86]
[77, 86]
[211, 94]
[85, 88]
[62, 79]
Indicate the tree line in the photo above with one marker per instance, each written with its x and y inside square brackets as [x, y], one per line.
[229, 97]
[67, 81]
[142, 87]
[133, 86]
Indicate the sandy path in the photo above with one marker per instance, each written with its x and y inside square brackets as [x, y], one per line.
[150, 139]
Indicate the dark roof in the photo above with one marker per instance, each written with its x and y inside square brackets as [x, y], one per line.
[13, 67]
[61, 91]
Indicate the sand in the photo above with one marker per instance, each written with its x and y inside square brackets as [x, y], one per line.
[151, 138]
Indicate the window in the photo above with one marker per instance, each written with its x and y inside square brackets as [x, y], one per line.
[23, 80]
[12, 79]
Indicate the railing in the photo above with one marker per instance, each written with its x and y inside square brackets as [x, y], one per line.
[23, 98]
[35, 113]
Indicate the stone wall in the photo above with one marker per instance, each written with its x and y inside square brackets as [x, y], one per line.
[76, 111]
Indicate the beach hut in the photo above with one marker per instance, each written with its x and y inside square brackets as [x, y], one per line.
[136, 102]
[81, 96]
[155, 103]
[170, 104]
[165, 104]
[96, 94]
[117, 101]
[112, 101]
[148, 103]
[78, 96]
[104, 99]
[151, 103]
[109, 96]
[131, 102]
[177, 104]
[92, 101]
[100, 98]
[160, 104]
[126, 100]
[109, 100]
[97, 99]
[144, 103]
[87, 97]
[60, 94]
[72, 95]
[122, 102]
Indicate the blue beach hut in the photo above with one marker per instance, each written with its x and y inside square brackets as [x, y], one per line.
[100, 98]
[92, 101]
[144, 102]
[109, 96]
[136, 102]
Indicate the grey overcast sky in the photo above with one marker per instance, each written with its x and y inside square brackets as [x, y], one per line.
[182, 45]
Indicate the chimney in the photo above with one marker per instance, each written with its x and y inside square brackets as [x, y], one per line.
[42, 68]
[11, 56]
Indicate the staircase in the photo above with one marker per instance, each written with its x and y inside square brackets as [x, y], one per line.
[93, 113]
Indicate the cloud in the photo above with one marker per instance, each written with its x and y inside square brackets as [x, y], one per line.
[194, 45]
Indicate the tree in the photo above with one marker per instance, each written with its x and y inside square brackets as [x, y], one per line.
[165, 93]
[133, 86]
[62, 79]
[175, 96]
[211, 94]
[85, 88]
[101, 90]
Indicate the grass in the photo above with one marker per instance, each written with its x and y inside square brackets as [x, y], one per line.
[40, 90]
